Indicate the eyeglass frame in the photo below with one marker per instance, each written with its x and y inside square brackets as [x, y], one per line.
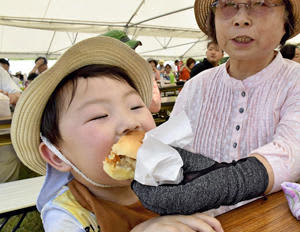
[248, 5]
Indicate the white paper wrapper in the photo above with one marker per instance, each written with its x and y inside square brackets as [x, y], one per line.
[159, 163]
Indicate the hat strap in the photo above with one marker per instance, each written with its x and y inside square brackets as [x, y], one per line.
[52, 148]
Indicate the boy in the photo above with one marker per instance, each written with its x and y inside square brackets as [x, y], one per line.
[96, 92]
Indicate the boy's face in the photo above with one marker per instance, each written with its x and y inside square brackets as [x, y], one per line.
[102, 110]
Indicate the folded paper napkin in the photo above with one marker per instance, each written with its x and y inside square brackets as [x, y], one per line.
[292, 193]
[158, 162]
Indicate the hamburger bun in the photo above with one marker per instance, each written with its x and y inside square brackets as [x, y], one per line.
[120, 163]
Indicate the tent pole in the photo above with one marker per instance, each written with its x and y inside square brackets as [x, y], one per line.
[134, 14]
[159, 16]
[50, 43]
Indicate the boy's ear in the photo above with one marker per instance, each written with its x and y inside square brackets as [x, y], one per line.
[53, 159]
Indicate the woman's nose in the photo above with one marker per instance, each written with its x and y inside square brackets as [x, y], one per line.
[242, 18]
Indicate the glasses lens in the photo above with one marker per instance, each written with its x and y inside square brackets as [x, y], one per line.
[228, 8]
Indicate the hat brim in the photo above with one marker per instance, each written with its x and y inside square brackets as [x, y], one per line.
[202, 8]
[26, 122]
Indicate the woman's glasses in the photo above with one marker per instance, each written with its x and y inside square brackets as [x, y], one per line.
[229, 8]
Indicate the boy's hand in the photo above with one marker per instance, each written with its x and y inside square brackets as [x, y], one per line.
[178, 223]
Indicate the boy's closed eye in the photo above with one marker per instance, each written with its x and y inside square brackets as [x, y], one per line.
[98, 117]
[137, 107]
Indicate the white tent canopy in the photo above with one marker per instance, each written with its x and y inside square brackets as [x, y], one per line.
[32, 28]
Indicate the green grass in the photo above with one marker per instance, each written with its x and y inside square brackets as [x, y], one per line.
[32, 222]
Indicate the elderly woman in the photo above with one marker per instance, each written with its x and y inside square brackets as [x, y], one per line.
[247, 109]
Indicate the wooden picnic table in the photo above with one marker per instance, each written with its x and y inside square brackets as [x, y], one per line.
[262, 215]
[19, 195]
[174, 88]
[5, 123]
[167, 104]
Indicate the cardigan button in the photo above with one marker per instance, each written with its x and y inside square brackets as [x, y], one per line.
[234, 145]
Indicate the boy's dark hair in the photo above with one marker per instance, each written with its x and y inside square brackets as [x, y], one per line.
[288, 51]
[32, 76]
[289, 25]
[51, 114]
[4, 61]
[43, 58]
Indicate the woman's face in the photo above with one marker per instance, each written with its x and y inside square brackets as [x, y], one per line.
[297, 55]
[247, 35]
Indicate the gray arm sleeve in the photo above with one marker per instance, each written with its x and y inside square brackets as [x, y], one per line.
[207, 184]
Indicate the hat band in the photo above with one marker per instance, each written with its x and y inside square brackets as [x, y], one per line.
[52, 148]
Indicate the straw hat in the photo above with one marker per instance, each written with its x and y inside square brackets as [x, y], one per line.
[201, 9]
[26, 122]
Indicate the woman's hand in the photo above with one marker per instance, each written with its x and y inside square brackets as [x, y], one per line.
[178, 223]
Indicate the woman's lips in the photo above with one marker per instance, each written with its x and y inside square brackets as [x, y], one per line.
[242, 40]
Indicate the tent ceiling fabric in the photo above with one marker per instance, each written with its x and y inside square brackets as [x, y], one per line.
[166, 28]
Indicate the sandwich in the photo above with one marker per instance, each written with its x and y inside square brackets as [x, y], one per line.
[120, 163]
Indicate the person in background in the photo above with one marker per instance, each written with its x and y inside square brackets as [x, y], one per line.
[177, 69]
[100, 91]
[168, 74]
[156, 72]
[161, 67]
[19, 79]
[41, 65]
[155, 105]
[185, 72]
[8, 87]
[5, 64]
[30, 78]
[213, 56]
[9, 163]
[291, 52]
